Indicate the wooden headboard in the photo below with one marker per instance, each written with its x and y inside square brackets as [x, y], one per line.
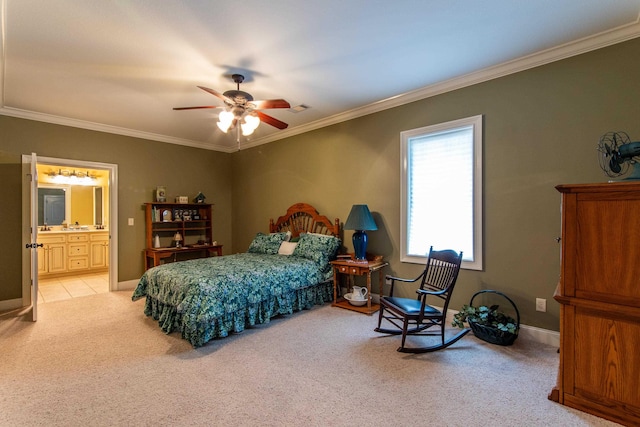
[301, 218]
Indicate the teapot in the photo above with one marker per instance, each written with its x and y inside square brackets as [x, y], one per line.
[359, 293]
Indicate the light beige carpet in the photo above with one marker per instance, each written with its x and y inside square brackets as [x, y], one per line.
[98, 361]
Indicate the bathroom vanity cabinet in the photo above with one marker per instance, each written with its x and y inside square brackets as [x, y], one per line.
[52, 255]
[72, 252]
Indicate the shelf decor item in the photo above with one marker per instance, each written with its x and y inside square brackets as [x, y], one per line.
[178, 239]
[161, 194]
[361, 221]
[487, 323]
[200, 198]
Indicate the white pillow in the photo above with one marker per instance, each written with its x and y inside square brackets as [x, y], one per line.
[287, 248]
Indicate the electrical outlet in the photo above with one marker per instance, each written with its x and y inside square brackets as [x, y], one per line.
[541, 304]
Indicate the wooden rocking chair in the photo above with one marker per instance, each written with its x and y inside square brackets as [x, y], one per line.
[437, 280]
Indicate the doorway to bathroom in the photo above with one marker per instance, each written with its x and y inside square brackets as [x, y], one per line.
[75, 214]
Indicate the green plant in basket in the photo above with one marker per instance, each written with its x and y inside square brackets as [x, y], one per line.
[487, 316]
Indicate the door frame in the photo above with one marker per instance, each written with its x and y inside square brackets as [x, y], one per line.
[113, 216]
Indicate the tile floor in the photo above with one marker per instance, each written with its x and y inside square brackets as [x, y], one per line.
[61, 288]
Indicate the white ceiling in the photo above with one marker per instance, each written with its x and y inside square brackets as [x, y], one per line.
[120, 66]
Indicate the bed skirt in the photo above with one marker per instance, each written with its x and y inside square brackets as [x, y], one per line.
[199, 327]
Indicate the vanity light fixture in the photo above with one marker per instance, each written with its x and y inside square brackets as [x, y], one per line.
[72, 177]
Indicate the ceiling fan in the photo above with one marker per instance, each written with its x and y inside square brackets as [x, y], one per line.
[241, 108]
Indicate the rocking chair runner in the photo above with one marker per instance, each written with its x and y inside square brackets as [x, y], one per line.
[438, 280]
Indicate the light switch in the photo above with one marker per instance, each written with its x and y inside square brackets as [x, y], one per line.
[130, 221]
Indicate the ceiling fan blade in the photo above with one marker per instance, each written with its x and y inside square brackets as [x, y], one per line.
[195, 108]
[218, 94]
[271, 103]
[271, 120]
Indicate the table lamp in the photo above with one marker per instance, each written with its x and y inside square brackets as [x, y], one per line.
[360, 220]
[178, 239]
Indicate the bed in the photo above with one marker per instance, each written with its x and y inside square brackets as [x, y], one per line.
[282, 272]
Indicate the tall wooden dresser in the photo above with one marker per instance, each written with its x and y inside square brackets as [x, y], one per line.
[599, 296]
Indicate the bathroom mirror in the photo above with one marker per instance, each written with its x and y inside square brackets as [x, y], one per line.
[58, 204]
[53, 202]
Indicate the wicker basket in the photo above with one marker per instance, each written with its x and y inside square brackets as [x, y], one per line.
[490, 334]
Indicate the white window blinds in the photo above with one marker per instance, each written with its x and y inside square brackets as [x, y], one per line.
[441, 194]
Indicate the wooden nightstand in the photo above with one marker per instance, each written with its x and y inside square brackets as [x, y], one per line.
[356, 268]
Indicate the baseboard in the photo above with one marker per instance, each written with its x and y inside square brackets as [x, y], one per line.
[529, 333]
[542, 336]
[128, 285]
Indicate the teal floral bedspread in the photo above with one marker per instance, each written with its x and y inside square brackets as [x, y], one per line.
[208, 298]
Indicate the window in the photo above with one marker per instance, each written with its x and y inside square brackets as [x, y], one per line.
[441, 191]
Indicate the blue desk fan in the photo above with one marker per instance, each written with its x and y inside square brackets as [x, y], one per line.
[617, 154]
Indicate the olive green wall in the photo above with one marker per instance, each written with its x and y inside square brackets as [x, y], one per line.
[541, 128]
[10, 226]
[142, 165]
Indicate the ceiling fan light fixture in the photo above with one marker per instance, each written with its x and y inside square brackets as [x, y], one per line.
[249, 124]
[225, 118]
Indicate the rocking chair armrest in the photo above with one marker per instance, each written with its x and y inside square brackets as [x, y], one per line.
[428, 292]
[400, 279]
[394, 279]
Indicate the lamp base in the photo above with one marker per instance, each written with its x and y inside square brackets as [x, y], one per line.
[360, 244]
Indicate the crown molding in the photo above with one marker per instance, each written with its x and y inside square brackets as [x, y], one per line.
[557, 53]
[65, 121]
